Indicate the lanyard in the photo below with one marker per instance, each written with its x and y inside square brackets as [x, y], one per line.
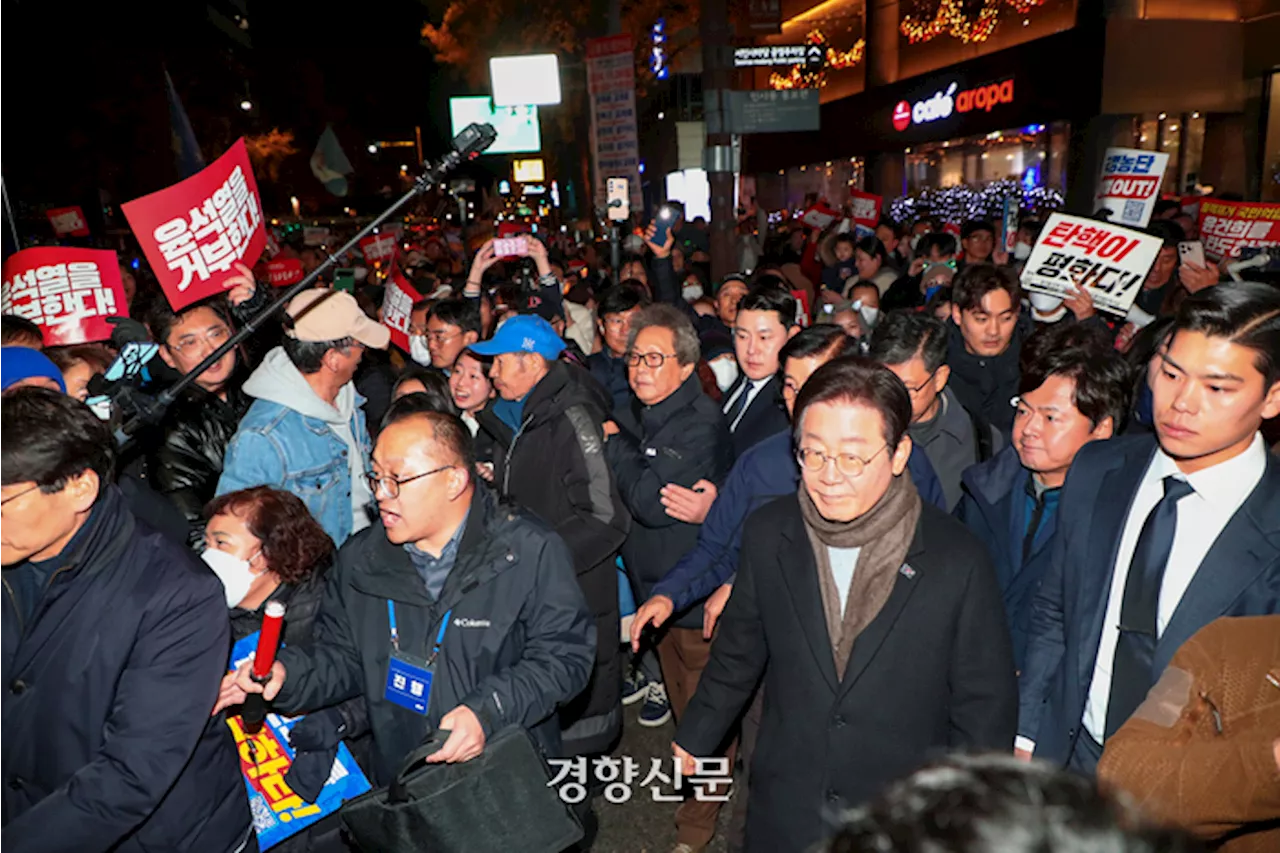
[395, 633]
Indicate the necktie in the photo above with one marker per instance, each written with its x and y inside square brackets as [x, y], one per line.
[738, 405]
[1131, 677]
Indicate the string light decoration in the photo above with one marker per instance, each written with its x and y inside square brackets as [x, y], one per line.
[961, 203]
[957, 18]
[799, 78]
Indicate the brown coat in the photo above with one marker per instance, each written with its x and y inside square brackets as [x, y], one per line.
[1201, 750]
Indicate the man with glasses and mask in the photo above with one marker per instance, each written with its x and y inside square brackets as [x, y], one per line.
[446, 581]
[914, 347]
[872, 620]
[305, 432]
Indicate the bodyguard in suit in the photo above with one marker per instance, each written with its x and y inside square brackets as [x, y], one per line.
[874, 620]
[1160, 535]
[1074, 389]
[753, 405]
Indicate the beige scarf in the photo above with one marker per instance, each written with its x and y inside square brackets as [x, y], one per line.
[884, 534]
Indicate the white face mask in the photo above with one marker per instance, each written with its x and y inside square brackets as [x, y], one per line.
[1045, 303]
[418, 350]
[1021, 251]
[234, 573]
[690, 292]
[726, 370]
[869, 317]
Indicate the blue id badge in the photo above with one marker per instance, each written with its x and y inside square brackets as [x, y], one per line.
[409, 683]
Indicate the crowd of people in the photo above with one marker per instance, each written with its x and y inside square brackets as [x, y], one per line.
[880, 549]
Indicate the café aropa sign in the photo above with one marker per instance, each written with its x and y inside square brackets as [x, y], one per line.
[949, 100]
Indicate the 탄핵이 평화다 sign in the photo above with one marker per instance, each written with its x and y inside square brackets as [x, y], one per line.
[68, 292]
[1110, 260]
[195, 231]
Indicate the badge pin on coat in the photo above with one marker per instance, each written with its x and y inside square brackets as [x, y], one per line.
[907, 572]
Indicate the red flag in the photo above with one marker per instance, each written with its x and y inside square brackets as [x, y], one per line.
[67, 292]
[378, 248]
[283, 272]
[68, 221]
[866, 208]
[397, 307]
[194, 231]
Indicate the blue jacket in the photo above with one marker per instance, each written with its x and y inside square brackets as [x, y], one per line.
[766, 471]
[995, 506]
[1240, 576]
[288, 440]
[107, 739]
[612, 374]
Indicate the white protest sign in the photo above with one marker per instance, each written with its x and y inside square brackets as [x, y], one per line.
[1130, 185]
[1110, 260]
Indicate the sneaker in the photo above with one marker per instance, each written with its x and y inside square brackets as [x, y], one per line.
[656, 710]
[635, 687]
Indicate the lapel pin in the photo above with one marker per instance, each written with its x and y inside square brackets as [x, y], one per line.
[907, 572]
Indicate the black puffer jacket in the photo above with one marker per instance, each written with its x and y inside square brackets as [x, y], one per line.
[519, 641]
[185, 460]
[108, 742]
[555, 467]
[682, 440]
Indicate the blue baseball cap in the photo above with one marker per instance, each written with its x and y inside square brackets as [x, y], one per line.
[19, 363]
[523, 333]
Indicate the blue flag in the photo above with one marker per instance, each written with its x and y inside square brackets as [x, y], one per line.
[182, 139]
[329, 164]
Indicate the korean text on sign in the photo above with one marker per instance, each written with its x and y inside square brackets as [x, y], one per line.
[195, 231]
[1226, 227]
[69, 293]
[1130, 185]
[397, 308]
[711, 781]
[1109, 260]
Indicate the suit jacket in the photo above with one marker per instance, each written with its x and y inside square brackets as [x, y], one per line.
[930, 674]
[1240, 576]
[765, 416]
[1219, 783]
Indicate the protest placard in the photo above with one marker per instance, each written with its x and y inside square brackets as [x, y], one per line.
[68, 222]
[865, 208]
[1226, 227]
[68, 292]
[283, 272]
[1129, 185]
[265, 759]
[397, 306]
[378, 248]
[1110, 260]
[819, 216]
[195, 231]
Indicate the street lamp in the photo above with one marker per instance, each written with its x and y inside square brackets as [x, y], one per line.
[373, 149]
[246, 105]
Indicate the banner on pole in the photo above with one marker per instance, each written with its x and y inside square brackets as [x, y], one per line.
[397, 307]
[194, 231]
[611, 84]
[1074, 252]
[68, 292]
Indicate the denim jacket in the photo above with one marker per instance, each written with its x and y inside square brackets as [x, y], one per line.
[287, 440]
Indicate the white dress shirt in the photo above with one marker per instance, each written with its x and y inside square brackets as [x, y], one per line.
[750, 387]
[1202, 515]
[843, 562]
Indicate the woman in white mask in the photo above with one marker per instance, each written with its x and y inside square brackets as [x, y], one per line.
[264, 545]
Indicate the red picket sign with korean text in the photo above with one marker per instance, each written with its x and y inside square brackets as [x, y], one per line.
[865, 208]
[819, 216]
[1226, 227]
[68, 292]
[283, 272]
[378, 248]
[68, 221]
[195, 231]
[397, 307]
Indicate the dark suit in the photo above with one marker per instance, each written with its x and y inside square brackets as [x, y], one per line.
[930, 674]
[765, 415]
[1240, 576]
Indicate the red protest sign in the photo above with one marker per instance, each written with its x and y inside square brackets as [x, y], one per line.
[67, 292]
[397, 306]
[1226, 227]
[68, 221]
[819, 216]
[283, 272]
[378, 248]
[865, 208]
[194, 231]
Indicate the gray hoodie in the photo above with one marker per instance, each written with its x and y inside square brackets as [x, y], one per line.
[277, 380]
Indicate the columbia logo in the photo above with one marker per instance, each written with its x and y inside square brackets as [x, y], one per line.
[462, 622]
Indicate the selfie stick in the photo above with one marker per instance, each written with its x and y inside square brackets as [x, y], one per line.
[255, 707]
[467, 145]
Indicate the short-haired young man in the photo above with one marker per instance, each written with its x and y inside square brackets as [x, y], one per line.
[618, 307]
[1075, 389]
[987, 331]
[1160, 535]
[765, 321]
[452, 325]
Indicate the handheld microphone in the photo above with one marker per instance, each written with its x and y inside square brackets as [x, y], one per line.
[255, 710]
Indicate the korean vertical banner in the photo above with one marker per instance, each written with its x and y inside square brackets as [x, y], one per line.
[69, 293]
[611, 83]
[397, 307]
[194, 231]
